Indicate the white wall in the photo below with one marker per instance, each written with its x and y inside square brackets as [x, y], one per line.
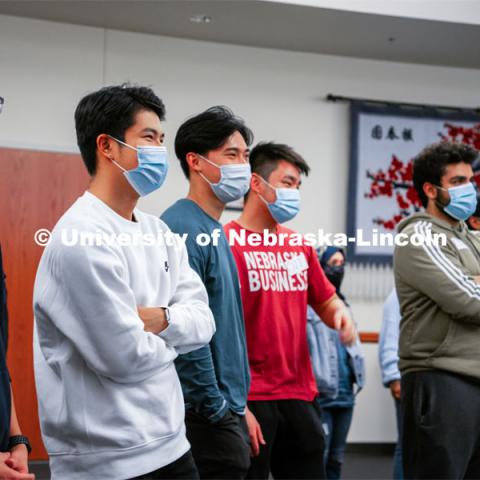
[46, 67]
[374, 417]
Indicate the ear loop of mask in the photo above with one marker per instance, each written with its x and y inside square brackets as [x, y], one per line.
[436, 199]
[211, 163]
[126, 145]
[271, 186]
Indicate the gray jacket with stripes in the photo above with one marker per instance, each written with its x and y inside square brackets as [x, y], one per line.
[437, 281]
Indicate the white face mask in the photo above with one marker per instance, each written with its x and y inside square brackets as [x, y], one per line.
[234, 180]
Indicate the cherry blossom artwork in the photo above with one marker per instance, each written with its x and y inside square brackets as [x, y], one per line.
[396, 181]
[384, 140]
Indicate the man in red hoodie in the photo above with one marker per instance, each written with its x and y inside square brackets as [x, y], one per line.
[277, 282]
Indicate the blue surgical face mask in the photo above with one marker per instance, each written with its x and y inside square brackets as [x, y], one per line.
[234, 180]
[152, 168]
[287, 203]
[463, 201]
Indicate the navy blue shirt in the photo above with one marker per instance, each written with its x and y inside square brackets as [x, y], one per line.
[217, 376]
[5, 405]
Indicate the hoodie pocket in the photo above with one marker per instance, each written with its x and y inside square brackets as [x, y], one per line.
[443, 346]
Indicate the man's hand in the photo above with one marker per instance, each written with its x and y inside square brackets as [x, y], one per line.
[18, 458]
[154, 319]
[8, 473]
[345, 326]
[255, 433]
[337, 316]
[395, 389]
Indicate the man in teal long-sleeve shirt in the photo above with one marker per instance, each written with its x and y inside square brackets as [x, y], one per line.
[213, 151]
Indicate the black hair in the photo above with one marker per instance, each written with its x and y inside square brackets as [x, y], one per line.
[265, 156]
[111, 110]
[208, 131]
[430, 164]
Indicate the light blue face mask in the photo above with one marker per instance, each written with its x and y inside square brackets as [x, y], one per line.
[287, 203]
[152, 167]
[463, 201]
[234, 180]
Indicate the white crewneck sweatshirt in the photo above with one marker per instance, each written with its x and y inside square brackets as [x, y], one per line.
[110, 402]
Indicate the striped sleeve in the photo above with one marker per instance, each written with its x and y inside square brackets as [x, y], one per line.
[437, 272]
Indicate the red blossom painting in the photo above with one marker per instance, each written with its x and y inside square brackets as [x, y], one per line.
[396, 182]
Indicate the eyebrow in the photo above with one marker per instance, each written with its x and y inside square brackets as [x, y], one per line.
[152, 130]
[291, 177]
[236, 149]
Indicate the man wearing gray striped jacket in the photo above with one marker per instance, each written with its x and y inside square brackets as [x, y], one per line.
[437, 281]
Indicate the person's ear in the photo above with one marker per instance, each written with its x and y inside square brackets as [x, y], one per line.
[193, 161]
[256, 183]
[105, 146]
[430, 190]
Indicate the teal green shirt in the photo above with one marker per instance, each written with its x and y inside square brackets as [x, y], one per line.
[217, 376]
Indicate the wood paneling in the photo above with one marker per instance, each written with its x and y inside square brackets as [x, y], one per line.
[369, 337]
[35, 190]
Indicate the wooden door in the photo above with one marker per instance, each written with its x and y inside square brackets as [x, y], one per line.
[35, 190]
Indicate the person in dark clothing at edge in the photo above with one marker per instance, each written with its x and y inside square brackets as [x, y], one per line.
[336, 367]
[14, 447]
[213, 151]
[437, 283]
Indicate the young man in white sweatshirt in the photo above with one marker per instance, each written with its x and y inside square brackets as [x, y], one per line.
[114, 306]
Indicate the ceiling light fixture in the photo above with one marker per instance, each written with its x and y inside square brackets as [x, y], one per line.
[201, 18]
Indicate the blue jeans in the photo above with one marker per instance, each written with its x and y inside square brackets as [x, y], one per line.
[336, 422]
[397, 456]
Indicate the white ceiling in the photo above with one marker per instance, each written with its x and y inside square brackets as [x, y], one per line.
[272, 24]
[457, 11]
